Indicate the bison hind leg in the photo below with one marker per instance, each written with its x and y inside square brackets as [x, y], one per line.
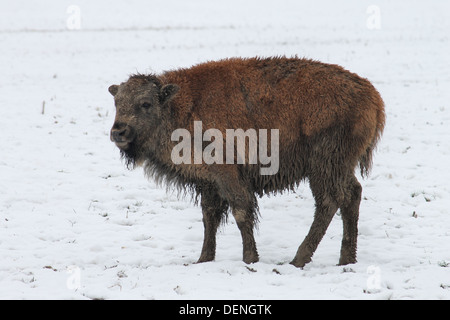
[343, 192]
[331, 190]
[350, 215]
[326, 207]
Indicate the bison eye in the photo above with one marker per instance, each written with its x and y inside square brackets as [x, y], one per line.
[146, 105]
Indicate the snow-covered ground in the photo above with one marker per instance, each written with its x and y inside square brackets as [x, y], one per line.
[76, 224]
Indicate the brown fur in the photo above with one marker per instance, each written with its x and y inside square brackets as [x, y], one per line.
[329, 121]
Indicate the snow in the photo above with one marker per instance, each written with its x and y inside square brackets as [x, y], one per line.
[76, 224]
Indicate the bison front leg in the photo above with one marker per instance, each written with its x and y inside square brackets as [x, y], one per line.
[245, 222]
[243, 203]
[213, 210]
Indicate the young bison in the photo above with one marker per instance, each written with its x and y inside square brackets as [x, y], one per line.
[329, 120]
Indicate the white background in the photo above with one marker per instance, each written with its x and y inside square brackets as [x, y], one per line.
[76, 224]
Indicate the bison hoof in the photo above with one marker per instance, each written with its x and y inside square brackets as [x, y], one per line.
[300, 263]
[205, 259]
[346, 260]
[251, 258]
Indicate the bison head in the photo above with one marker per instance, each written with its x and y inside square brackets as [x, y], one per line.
[141, 104]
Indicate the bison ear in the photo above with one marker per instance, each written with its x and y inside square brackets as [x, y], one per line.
[168, 92]
[113, 89]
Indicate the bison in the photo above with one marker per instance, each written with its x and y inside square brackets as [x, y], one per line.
[329, 121]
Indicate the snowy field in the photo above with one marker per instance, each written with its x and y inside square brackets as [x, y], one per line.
[76, 224]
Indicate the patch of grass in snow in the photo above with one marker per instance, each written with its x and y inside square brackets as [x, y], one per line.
[426, 196]
[443, 264]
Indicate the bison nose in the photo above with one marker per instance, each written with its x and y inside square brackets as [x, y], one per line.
[121, 135]
[118, 135]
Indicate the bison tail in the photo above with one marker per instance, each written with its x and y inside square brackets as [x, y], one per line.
[365, 160]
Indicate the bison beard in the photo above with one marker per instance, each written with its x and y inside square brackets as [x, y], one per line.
[129, 155]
